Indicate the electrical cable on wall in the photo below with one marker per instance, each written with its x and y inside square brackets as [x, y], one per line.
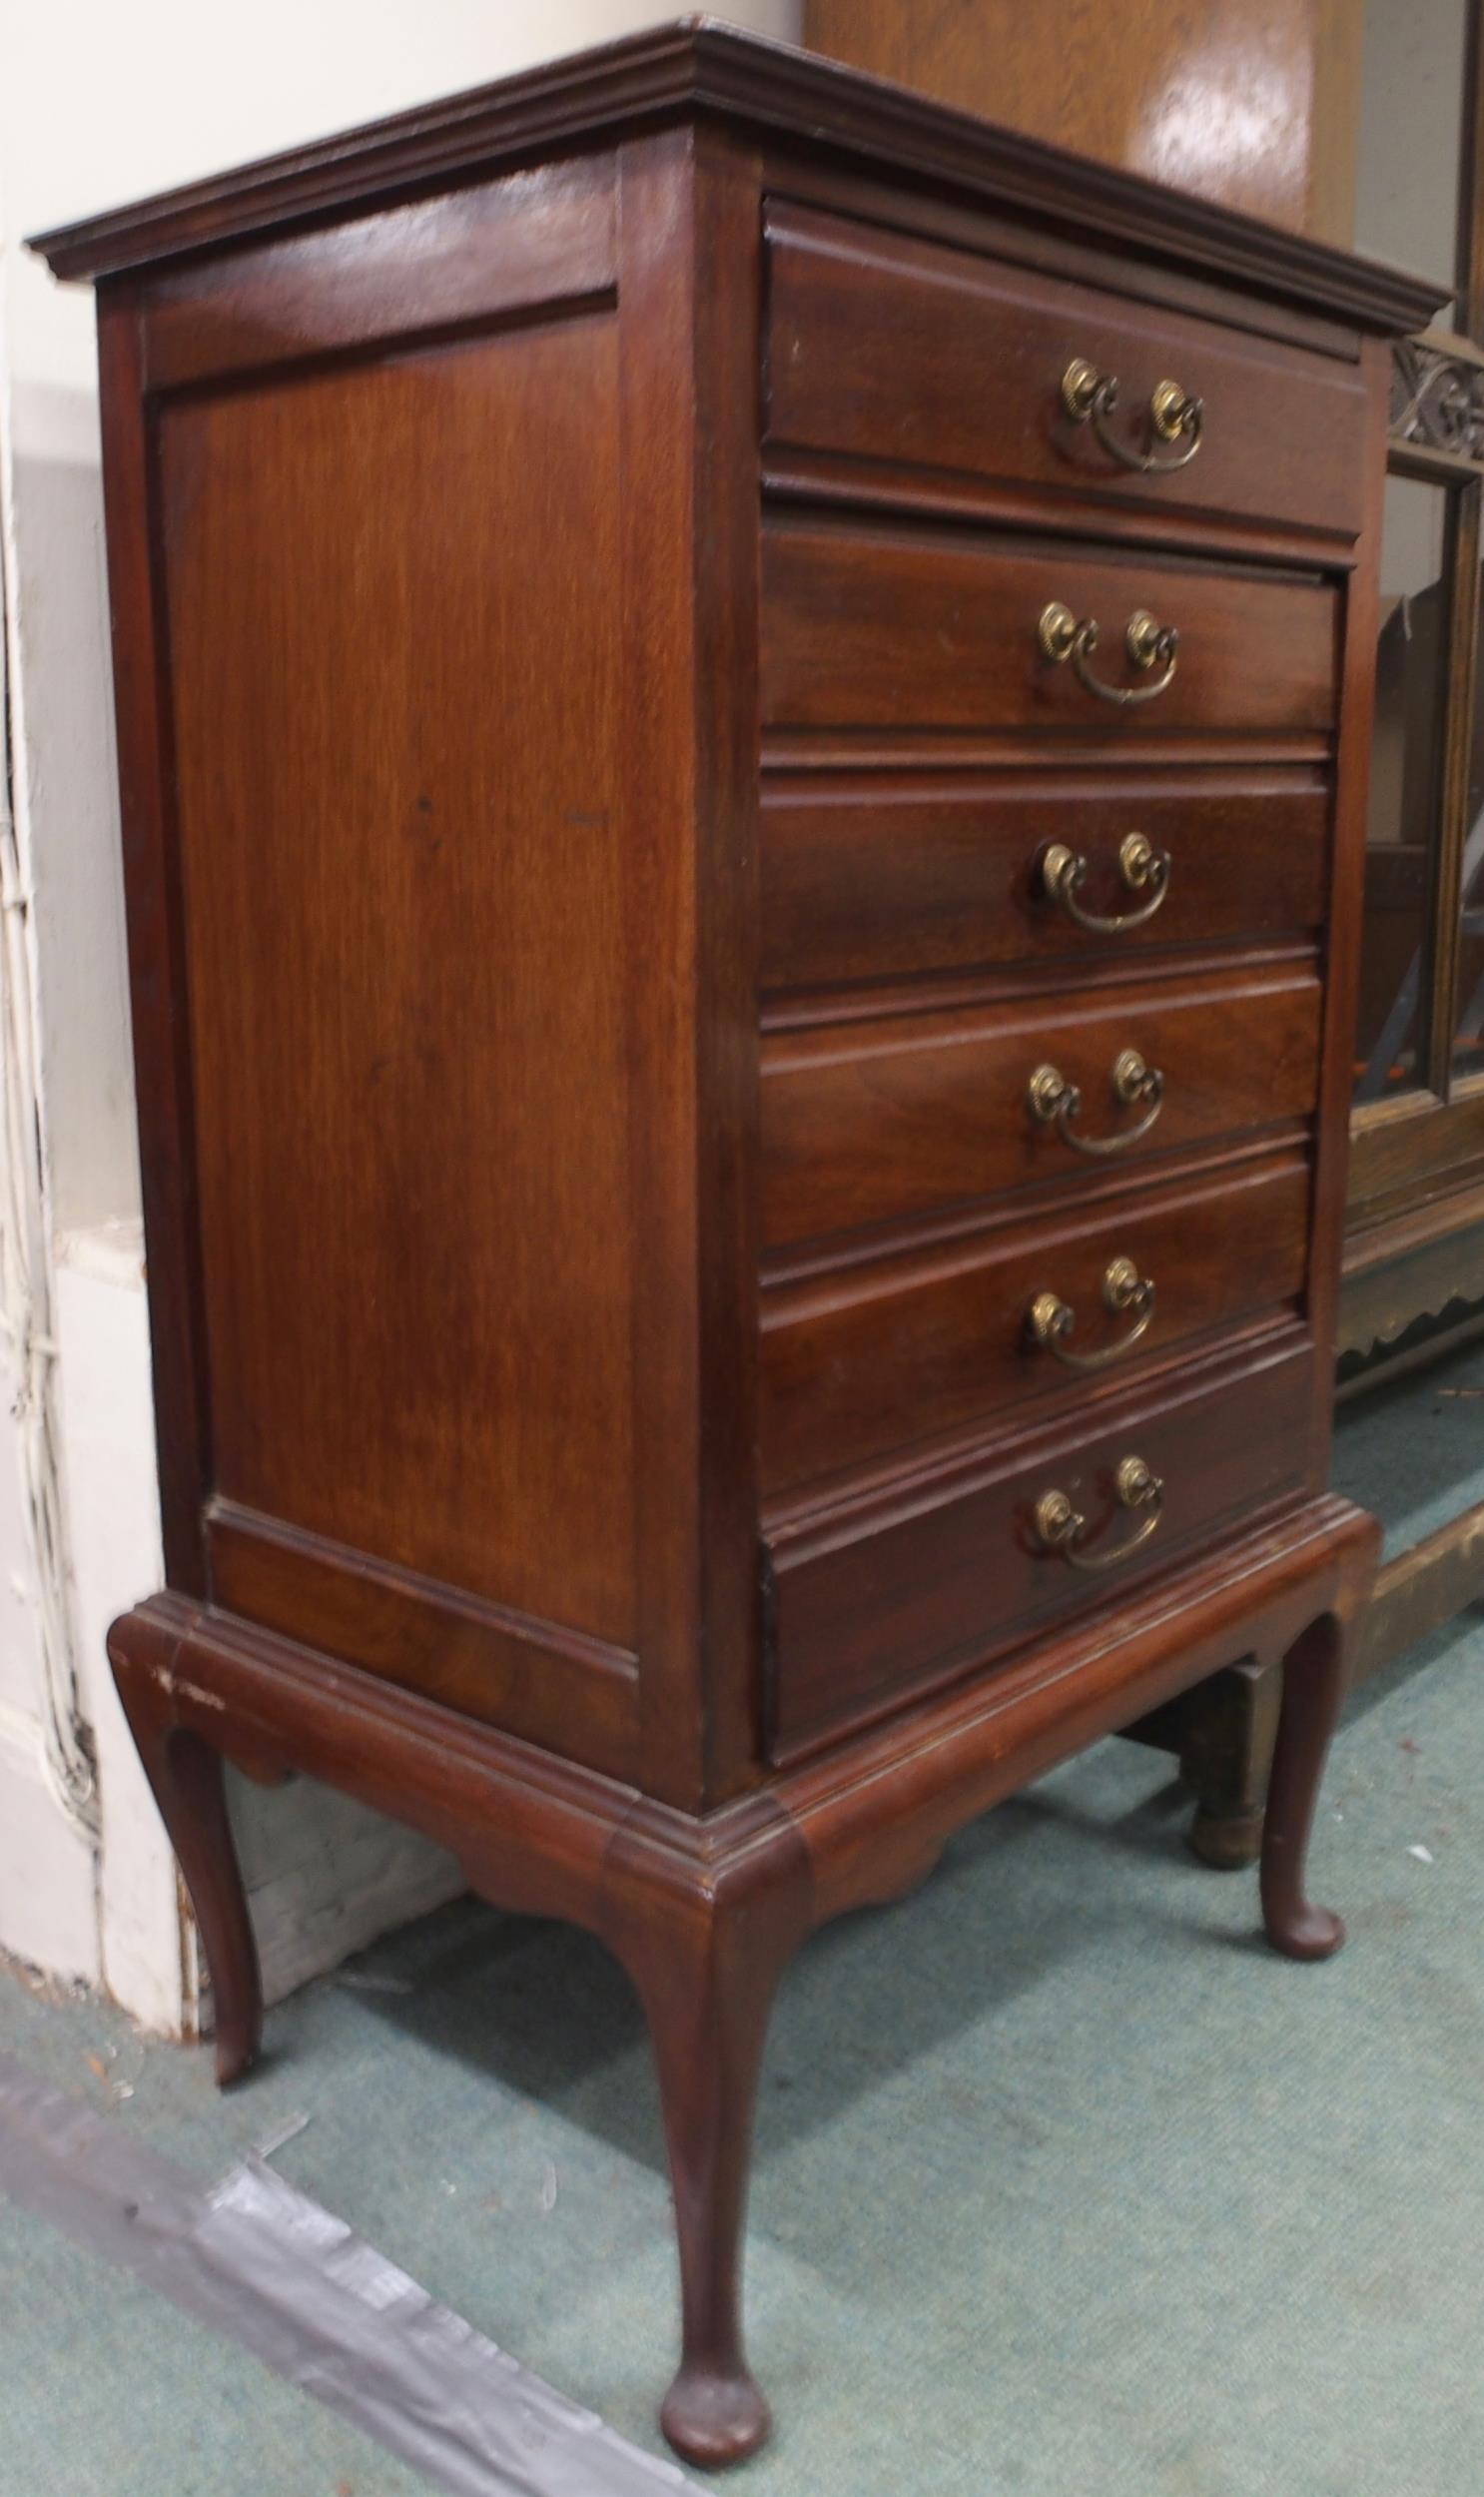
[25, 1308]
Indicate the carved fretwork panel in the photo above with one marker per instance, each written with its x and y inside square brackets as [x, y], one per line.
[1437, 400]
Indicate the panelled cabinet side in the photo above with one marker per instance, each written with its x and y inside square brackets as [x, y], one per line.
[461, 1267]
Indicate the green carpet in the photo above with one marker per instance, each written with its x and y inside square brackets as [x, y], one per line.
[1065, 2186]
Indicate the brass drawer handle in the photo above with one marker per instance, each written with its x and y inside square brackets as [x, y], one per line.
[1176, 416]
[1061, 1528]
[1061, 873]
[1049, 1323]
[1052, 1102]
[1150, 644]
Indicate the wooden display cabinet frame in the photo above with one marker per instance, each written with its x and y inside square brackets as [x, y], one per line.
[1414, 1233]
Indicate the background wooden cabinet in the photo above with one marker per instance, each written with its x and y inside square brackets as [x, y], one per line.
[1254, 103]
[1415, 1236]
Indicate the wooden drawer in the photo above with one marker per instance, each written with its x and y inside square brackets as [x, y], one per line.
[888, 349]
[873, 1122]
[859, 1364]
[873, 1603]
[911, 628]
[865, 879]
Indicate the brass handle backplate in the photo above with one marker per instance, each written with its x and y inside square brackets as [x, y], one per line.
[1062, 1529]
[1050, 1324]
[1052, 1102]
[1148, 643]
[1176, 416]
[1063, 872]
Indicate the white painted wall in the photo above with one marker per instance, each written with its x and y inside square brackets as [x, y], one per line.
[100, 102]
[48, 1860]
[1411, 132]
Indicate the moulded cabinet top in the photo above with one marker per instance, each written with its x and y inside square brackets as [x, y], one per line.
[699, 66]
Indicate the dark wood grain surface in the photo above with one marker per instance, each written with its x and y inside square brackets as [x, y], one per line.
[879, 627]
[378, 1084]
[886, 1354]
[438, 265]
[891, 349]
[873, 1122]
[876, 876]
[1164, 86]
[931, 1578]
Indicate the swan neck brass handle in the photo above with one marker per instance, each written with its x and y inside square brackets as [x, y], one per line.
[1063, 872]
[1051, 1325]
[1062, 1529]
[1148, 643]
[1175, 417]
[1052, 1102]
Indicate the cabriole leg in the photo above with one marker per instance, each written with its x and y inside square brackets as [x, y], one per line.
[185, 1777]
[706, 1966]
[1314, 1687]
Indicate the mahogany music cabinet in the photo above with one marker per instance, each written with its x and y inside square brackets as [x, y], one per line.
[742, 712]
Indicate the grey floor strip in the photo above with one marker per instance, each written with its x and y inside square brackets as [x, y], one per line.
[267, 2267]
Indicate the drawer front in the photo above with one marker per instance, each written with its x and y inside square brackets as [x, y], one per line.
[873, 1122]
[868, 880]
[858, 1364]
[886, 348]
[901, 628]
[888, 1602]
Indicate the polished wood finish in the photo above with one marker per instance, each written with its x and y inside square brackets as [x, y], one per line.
[483, 1657]
[905, 1349]
[587, 973]
[1166, 87]
[937, 1572]
[468, 1421]
[885, 348]
[898, 628]
[1314, 1687]
[868, 877]
[546, 236]
[877, 1121]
